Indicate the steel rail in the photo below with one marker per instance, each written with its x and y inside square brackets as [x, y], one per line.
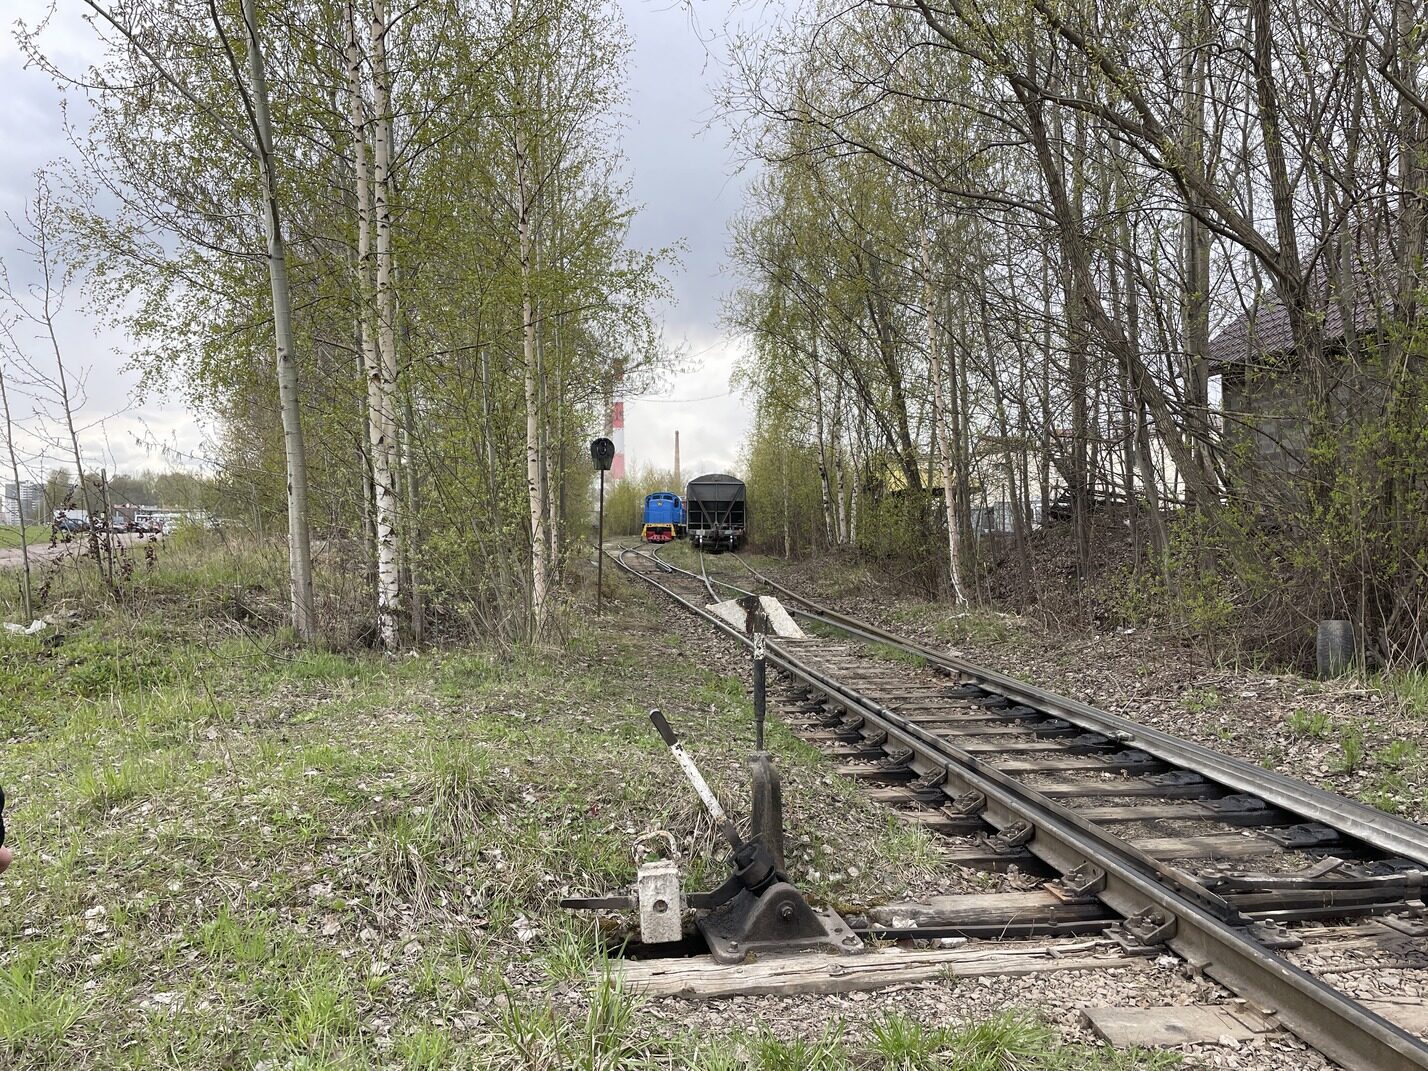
[1203, 934]
[1387, 832]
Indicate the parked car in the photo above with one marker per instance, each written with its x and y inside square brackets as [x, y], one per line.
[71, 520]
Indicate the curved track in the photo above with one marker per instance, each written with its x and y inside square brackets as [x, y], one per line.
[1015, 774]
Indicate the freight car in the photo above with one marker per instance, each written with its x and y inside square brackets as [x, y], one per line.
[716, 512]
[663, 518]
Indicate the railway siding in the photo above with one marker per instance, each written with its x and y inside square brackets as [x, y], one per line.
[968, 739]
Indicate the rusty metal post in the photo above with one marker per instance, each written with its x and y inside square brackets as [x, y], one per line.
[766, 810]
[600, 553]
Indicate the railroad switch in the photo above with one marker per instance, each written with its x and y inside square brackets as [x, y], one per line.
[1143, 933]
[757, 909]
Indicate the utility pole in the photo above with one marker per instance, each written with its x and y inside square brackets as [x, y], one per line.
[676, 461]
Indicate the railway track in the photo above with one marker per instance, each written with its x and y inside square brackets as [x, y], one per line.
[1247, 874]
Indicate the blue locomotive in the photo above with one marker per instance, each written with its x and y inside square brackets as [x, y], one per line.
[663, 518]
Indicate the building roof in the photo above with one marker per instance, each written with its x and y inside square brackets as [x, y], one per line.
[1264, 331]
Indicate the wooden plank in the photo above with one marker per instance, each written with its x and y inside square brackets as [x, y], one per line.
[961, 825]
[1029, 747]
[934, 818]
[1125, 786]
[890, 774]
[974, 727]
[1145, 812]
[1066, 764]
[701, 978]
[895, 794]
[1188, 1024]
[982, 909]
[1210, 846]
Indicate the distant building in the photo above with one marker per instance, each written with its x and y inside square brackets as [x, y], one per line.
[28, 497]
[1267, 396]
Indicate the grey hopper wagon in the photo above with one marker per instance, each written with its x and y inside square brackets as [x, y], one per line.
[716, 512]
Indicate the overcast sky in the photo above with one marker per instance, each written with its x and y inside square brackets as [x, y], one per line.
[684, 178]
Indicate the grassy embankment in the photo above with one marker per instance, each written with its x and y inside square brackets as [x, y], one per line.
[236, 853]
[10, 535]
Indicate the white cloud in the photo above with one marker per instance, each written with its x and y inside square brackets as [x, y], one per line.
[682, 175]
[711, 417]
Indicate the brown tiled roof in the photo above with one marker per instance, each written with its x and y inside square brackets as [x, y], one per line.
[1264, 331]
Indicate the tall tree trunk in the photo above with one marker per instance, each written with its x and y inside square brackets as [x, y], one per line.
[1195, 235]
[19, 503]
[942, 440]
[824, 485]
[388, 499]
[294, 449]
[376, 336]
[535, 462]
[840, 482]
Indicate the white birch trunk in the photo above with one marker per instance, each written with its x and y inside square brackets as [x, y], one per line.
[824, 489]
[535, 462]
[840, 498]
[381, 359]
[294, 449]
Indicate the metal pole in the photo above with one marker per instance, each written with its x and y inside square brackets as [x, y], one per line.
[759, 697]
[600, 554]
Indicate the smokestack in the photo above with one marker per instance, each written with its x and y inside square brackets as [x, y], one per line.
[677, 483]
[617, 434]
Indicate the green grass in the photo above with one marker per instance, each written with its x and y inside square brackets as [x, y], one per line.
[234, 851]
[1201, 700]
[889, 653]
[10, 535]
[1313, 724]
[1352, 749]
[1397, 754]
[1409, 688]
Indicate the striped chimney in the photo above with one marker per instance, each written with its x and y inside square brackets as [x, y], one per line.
[617, 435]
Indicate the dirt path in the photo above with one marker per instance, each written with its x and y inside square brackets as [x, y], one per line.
[43, 551]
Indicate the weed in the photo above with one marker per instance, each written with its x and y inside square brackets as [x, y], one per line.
[571, 954]
[1398, 754]
[36, 1015]
[464, 786]
[1351, 749]
[537, 1039]
[1201, 700]
[316, 1010]
[1384, 796]
[909, 845]
[824, 1053]
[904, 1044]
[887, 652]
[1306, 723]
[427, 1048]
[107, 786]
[1410, 688]
[226, 939]
[970, 627]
